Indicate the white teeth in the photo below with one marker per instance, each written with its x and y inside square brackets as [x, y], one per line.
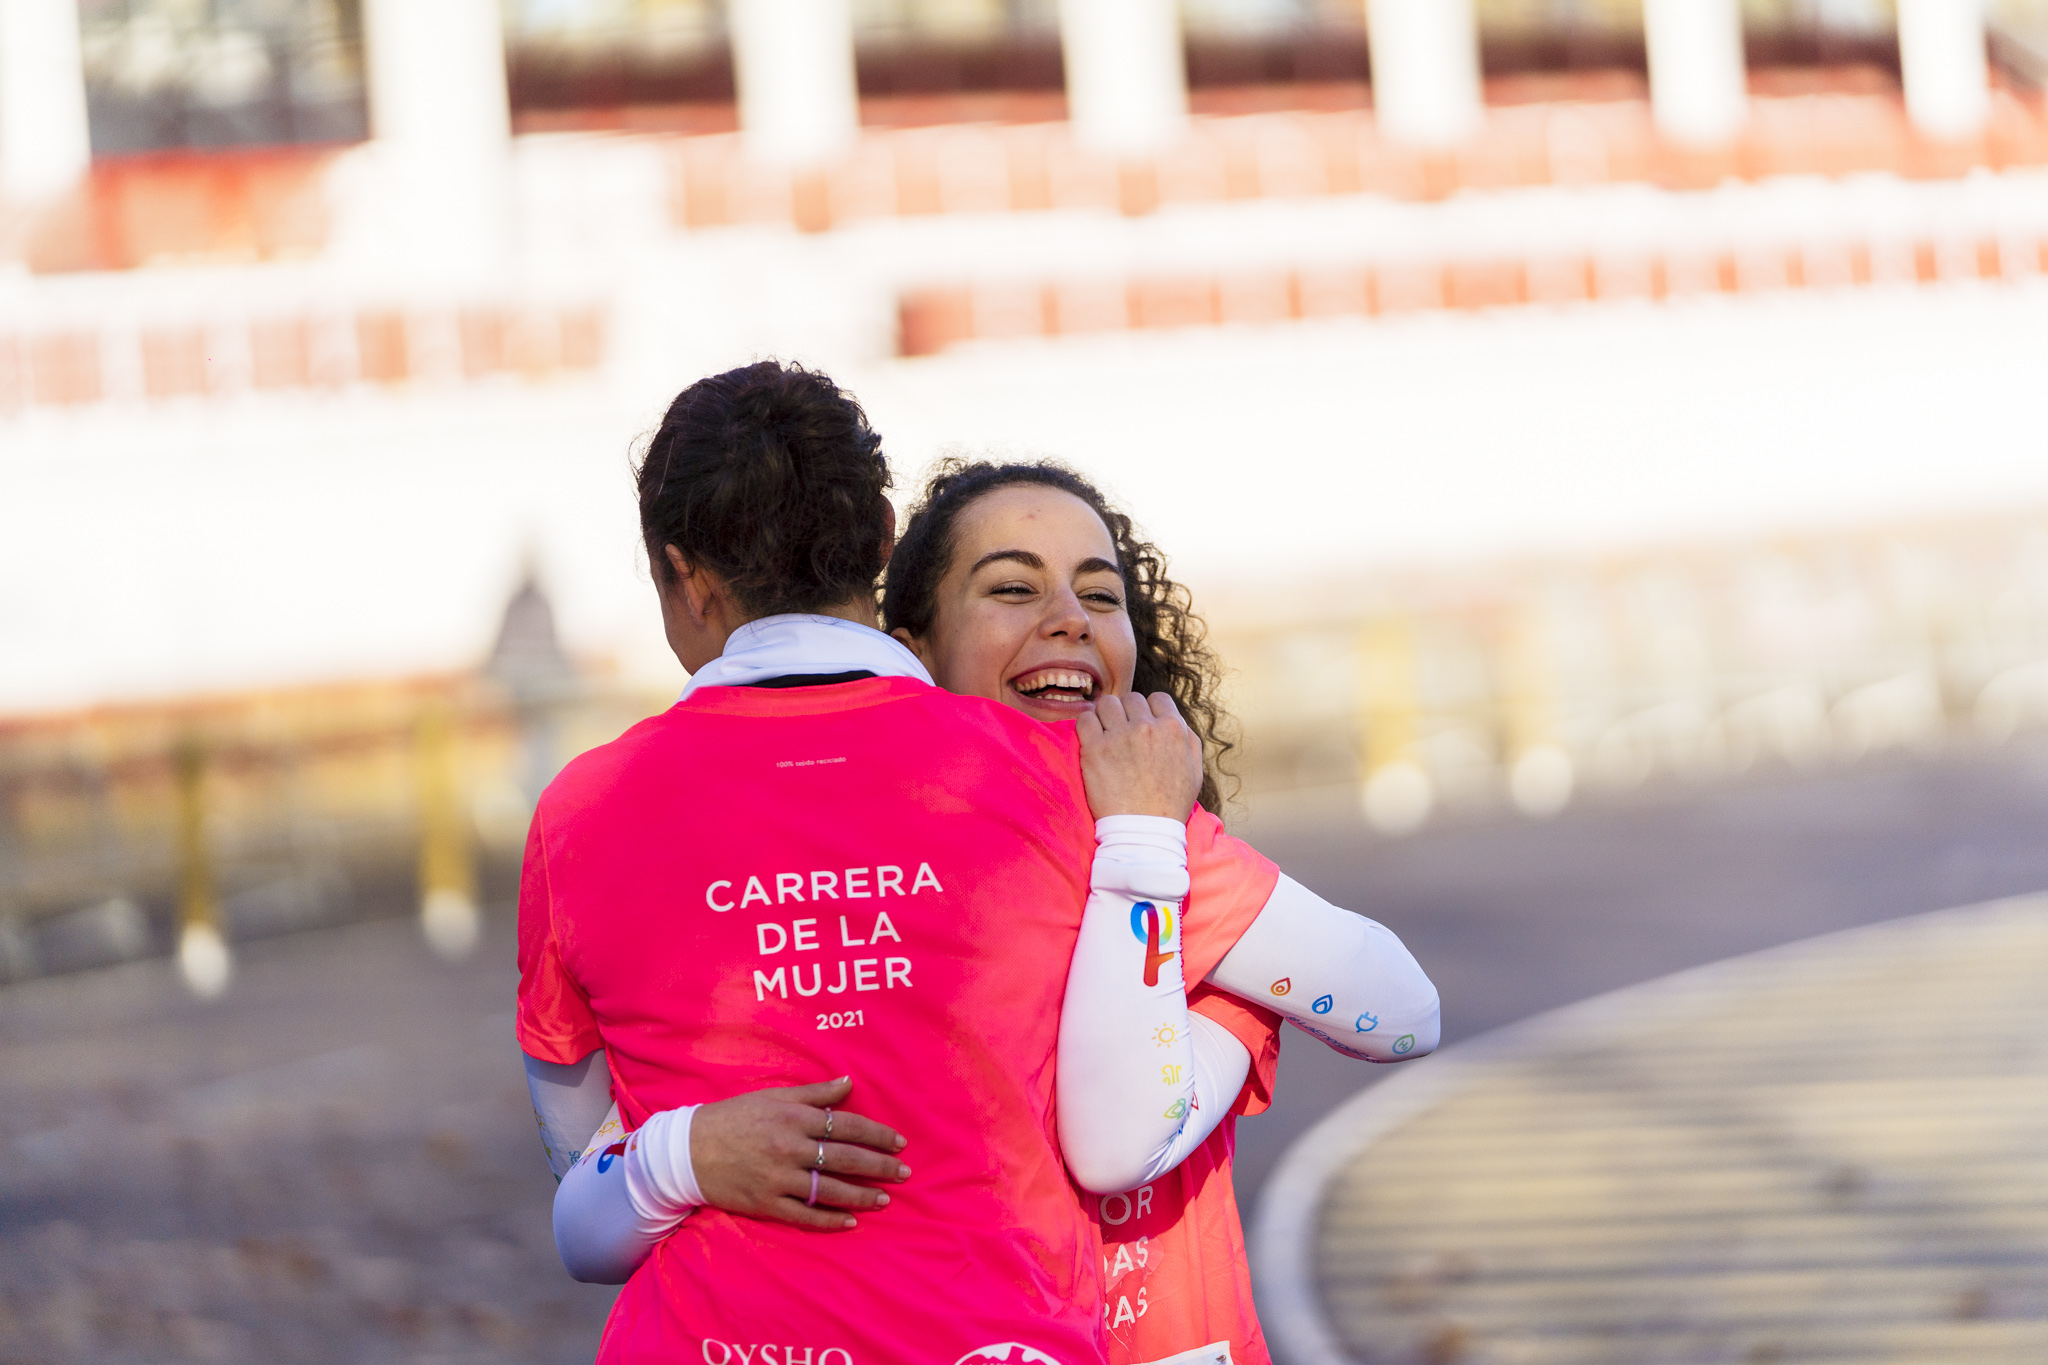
[1051, 678]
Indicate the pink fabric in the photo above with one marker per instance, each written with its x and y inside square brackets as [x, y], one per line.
[1175, 1271]
[940, 846]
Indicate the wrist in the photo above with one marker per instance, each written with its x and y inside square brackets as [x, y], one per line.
[661, 1178]
[1143, 856]
[1153, 831]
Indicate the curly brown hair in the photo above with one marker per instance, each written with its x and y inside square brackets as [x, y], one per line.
[1173, 652]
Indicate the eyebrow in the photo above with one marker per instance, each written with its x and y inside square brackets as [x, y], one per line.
[1032, 561]
[1024, 557]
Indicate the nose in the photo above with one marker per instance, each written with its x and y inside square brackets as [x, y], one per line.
[1065, 618]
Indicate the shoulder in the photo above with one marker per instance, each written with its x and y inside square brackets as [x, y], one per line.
[1214, 851]
[987, 746]
[1229, 883]
[606, 772]
[989, 724]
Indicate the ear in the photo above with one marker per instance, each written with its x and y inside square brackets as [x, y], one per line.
[698, 590]
[914, 644]
[889, 531]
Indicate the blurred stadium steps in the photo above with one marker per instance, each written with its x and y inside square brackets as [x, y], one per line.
[1828, 1152]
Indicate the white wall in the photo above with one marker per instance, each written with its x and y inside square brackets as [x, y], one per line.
[1943, 60]
[1698, 86]
[44, 143]
[1126, 74]
[793, 60]
[1425, 69]
[442, 126]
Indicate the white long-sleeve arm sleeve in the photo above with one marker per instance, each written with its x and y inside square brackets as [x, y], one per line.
[1340, 976]
[1142, 1082]
[619, 1195]
[624, 1194]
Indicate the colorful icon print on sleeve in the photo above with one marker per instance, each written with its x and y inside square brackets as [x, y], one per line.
[1322, 1004]
[1404, 1045]
[1283, 985]
[1153, 924]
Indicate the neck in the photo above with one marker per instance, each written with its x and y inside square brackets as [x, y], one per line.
[859, 610]
[698, 637]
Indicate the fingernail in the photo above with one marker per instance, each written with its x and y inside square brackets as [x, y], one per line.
[900, 1140]
[852, 1223]
[880, 1200]
[902, 1172]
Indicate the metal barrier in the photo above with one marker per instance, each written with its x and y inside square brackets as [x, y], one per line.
[184, 827]
[1527, 682]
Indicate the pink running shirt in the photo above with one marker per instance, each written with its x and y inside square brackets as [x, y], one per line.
[766, 887]
[1175, 1272]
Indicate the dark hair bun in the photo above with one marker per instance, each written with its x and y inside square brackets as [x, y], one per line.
[769, 476]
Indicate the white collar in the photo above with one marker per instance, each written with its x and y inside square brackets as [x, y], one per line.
[779, 646]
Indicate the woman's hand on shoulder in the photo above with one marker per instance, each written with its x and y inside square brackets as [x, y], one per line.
[1138, 757]
[754, 1154]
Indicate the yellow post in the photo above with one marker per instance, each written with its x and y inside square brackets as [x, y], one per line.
[1540, 776]
[203, 957]
[448, 914]
[1396, 792]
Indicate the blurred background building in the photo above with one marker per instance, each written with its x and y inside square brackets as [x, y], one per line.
[1548, 400]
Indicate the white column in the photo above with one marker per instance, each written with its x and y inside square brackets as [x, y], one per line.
[1699, 91]
[1127, 83]
[793, 63]
[44, 146]
[1425, 70]
[442, 123]
[1941, 52]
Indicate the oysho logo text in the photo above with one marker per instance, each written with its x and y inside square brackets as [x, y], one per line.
[768, 1353]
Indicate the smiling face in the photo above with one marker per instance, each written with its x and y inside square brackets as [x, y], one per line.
[1031, 610]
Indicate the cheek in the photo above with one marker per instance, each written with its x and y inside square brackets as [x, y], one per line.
[971, 652]
[1119, 653]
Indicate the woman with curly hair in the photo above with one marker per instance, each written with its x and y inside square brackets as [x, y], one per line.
[1017, 585]
[1021, 583]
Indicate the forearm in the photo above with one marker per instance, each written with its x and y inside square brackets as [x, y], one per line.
[569, 1102]
[1135, 1096]
[623, 1195]
[1342, 977]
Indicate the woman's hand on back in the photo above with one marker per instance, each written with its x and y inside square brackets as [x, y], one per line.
[1138, 757]
[754, 1154]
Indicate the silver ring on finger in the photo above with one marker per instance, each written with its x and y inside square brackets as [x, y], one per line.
[819, 1164]
[828, 1120]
